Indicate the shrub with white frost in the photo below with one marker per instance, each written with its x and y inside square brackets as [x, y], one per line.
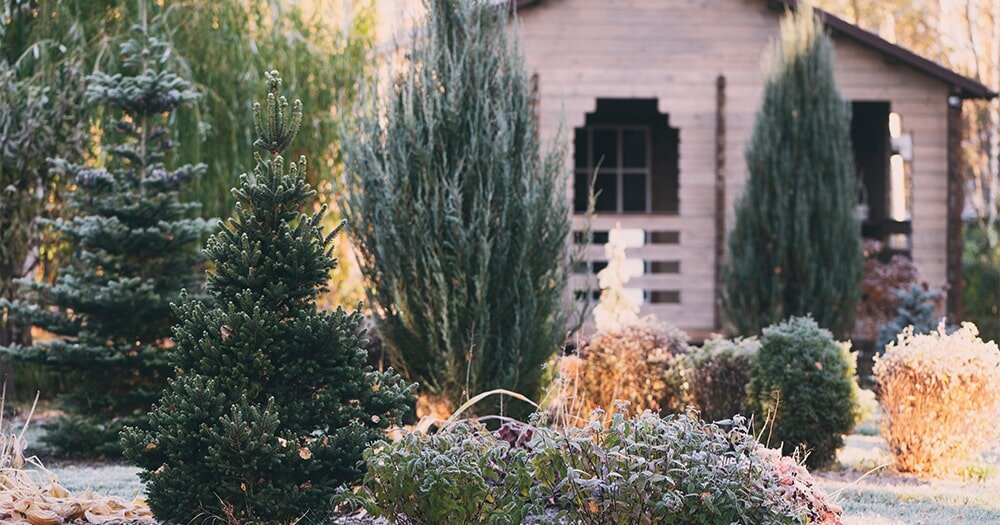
[940, 394]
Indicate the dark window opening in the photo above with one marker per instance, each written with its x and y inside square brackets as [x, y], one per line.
[663, 296]
[663, 267]
[596, 237]
[630, 152]
[872, 146]
[663, 237]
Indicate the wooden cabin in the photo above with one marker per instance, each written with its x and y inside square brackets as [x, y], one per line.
[665, 91]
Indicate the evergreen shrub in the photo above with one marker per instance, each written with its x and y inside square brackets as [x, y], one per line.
[713, 378]
[273, 403]
[981, 279]
[460, 217]
[918, 307]
[803, 388]
[878, 302]
[795, 247]
[940, 395]
[981, 297]
[131, 246]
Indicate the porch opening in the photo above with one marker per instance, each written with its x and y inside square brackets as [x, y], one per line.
[881, 156]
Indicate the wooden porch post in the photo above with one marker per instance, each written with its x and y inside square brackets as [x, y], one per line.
[956, 202]
[720, 193]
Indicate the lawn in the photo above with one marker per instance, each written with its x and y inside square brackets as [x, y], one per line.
[885, 498]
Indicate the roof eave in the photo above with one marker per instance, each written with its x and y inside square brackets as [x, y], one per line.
[961, 85]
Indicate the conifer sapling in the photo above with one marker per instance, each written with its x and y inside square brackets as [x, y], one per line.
[273, 404]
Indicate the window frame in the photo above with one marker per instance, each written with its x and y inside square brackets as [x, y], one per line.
[619, 170]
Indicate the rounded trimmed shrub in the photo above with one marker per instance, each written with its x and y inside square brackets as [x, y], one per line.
[803, 388]
[940, 395]
[713, 378]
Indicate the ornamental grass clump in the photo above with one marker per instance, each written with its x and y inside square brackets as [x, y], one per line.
[803, 390]
[713, 378]
[940, 396]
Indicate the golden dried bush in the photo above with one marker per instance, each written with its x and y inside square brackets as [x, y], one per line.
[940, 397]
[627, 363]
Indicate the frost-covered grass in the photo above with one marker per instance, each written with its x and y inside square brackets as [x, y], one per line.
[111, 480]
[885, 498]
[882, 501]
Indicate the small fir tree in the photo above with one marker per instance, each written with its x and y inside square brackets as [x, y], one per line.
[273, 404]
[460, 219]
[795, 248]
[133, 246]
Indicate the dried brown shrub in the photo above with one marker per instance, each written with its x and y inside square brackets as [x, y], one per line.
[940, 395]
[623, 364]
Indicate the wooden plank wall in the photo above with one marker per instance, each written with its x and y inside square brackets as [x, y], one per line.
[674, 50]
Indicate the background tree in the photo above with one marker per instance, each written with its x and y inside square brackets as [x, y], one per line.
[42, 115]
[796, 246]
[322, 45]
[272, 405]
[134, 247]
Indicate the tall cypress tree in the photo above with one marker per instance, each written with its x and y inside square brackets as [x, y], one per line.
[273, 404]
[133, 247]
[460, 219]
[795, 248]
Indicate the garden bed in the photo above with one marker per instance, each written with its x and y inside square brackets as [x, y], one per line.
[881, 498]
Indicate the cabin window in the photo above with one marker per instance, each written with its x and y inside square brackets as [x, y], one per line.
[629, 150]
